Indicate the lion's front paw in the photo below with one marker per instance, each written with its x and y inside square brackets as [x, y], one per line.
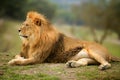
[12, 62]
[72, 64]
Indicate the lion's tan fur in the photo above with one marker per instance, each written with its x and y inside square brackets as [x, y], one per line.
[43, 43]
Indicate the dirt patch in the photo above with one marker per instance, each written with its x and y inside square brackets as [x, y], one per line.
[64, 73]
[58, 70]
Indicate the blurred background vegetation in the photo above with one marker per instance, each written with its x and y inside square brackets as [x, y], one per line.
[92, 20]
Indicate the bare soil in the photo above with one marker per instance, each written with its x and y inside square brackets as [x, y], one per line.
[83, 73]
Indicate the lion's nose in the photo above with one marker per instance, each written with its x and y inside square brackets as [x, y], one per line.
[19, 30]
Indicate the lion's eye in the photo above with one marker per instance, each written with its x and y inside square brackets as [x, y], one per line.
[26, 25]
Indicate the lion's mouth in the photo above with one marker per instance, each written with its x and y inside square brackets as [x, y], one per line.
[23, 36]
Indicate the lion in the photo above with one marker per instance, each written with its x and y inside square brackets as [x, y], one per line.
[42, 43]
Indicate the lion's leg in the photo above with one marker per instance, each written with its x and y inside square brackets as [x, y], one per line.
[104, 64]
[22, 61]
[80, 62]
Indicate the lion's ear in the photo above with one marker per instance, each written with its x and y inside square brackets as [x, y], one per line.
[30, 15]
[34, 16]
[37, 21]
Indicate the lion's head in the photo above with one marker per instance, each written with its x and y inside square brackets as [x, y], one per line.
[36, 28]
[33, 26]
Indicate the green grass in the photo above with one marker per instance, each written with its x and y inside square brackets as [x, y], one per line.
[113, 48]
[14, 73]
[93, 74]
[14, 76]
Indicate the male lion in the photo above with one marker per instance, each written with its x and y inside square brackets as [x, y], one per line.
[43, 43]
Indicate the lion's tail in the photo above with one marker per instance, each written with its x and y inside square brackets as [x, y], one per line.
[115, 59]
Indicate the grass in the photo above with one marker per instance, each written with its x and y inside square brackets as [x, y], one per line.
[94, 74]
[54, 71]
[14, 76]
[14, 73]
[113, 48]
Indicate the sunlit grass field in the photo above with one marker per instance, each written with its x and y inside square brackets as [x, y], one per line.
[54, 71]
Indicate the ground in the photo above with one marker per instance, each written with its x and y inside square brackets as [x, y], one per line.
[51, 71]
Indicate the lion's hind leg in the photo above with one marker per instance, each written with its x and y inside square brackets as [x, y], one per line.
[104, 64]
[80, 62]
